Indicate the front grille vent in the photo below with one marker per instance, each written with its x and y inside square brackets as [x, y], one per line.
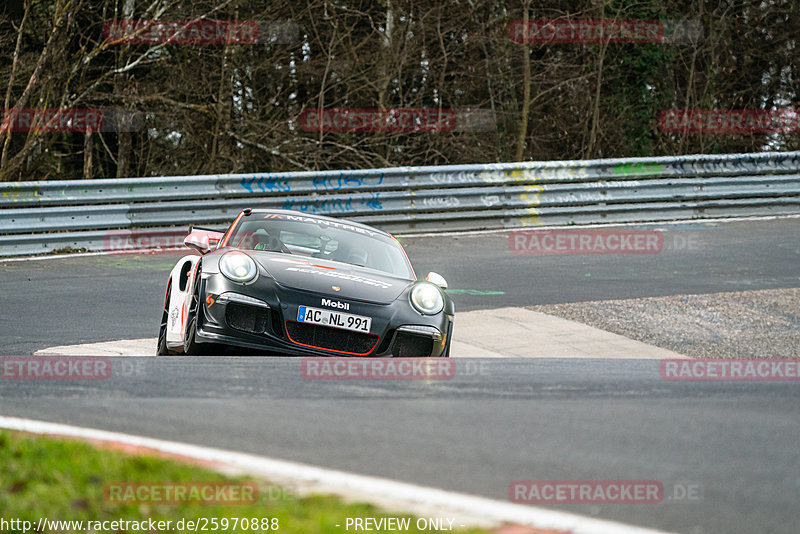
[325, 337]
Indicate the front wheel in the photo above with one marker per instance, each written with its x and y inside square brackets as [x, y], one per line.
[162, 349]
[190, 345]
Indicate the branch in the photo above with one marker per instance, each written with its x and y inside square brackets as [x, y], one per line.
[273, 151]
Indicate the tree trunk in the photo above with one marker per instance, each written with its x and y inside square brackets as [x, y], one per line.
[526, 91]
[88, 148]
[5, 129]
[124, 140]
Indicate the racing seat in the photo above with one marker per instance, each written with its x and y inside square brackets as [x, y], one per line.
[350, 254]
[270, 243]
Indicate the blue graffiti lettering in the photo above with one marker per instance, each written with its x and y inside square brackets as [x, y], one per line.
[319, 207]
[342, 181]
[373, 202]
[266, 184]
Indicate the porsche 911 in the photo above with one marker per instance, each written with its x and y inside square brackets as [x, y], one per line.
[290, 283]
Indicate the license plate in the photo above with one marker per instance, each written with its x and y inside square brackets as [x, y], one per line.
[335, 319]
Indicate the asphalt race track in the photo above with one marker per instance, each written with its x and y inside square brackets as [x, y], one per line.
[497, 421]
[103, 298]
[509, 420]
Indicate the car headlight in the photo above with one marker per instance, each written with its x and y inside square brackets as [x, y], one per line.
[238, 267]
[427, 298]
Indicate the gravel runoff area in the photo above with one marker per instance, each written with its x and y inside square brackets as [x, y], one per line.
[742, 324]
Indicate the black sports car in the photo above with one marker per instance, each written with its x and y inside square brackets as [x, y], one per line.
[285, 282]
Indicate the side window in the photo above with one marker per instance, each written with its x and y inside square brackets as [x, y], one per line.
[248, 240]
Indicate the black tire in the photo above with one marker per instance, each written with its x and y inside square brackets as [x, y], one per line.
[162, 349]
[190, 345]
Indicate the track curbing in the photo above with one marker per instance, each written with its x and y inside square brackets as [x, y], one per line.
[401, 496]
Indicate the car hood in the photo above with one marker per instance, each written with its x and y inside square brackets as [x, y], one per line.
[321, 276]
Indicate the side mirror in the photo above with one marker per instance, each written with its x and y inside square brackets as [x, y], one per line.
[203, 240]
[436, 278]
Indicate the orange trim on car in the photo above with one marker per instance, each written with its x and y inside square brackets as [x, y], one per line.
[227, 235]
[407, 260]
[166, 292]
[183, 319]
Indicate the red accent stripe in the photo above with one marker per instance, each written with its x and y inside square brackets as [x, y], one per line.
[230, 230]
[377, 338]
[166, 291]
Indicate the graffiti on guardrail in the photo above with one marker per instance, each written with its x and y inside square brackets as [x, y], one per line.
[502, 195]
[343, 181]
[533, 174]
[491, 200]
[371, 202]
[638, 169]
[460, 177]
[720, 167]
[16, 196]
[441, 202]
[265, 184]
[281, 184]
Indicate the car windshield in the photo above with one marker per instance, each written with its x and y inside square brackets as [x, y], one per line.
[320, 238]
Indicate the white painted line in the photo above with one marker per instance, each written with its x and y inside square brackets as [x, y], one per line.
[121, 347]
[100, 253]
[400, 496]
[516, 332]
[495, 333]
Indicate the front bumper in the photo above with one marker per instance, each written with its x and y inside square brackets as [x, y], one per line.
[263, 316]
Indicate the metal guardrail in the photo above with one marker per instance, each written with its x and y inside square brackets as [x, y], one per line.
[41, 217]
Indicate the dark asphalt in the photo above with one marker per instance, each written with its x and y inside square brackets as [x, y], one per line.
[102, 298]
[532, 419]
[509, 420]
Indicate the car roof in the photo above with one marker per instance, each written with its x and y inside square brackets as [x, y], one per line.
[323, 217]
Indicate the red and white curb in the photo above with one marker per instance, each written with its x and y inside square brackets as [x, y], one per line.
[466, 509]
